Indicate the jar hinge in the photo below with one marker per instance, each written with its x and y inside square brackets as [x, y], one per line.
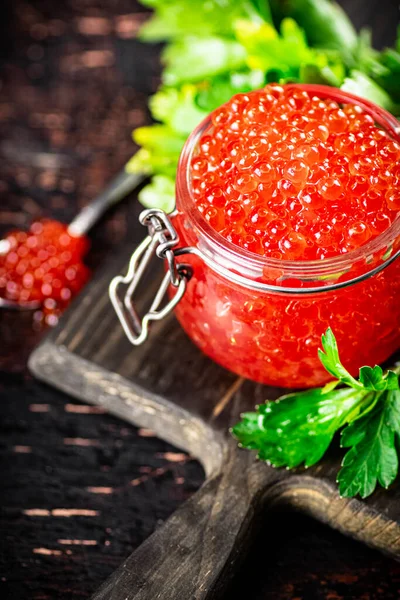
[161, 240]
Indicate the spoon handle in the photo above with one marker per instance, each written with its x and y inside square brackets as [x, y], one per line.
[120, 186]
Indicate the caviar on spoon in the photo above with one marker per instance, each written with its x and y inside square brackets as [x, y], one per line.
[43, 267]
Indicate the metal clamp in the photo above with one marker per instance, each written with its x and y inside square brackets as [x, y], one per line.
[160, 242]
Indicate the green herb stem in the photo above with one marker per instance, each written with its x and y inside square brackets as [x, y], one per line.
[298, 428]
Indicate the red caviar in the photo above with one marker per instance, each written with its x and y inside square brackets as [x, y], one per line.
[285, 187]
[44, 264]
[320, 169]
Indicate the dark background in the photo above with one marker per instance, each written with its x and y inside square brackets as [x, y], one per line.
[80, 489]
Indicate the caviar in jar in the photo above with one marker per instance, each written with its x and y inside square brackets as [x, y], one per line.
[294, 192]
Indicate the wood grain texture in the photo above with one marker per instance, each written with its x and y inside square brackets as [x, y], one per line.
[169, 385]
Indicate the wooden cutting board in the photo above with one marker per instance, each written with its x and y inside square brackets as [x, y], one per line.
[168, 385]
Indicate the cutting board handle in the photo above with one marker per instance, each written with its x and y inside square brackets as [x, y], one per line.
[191, 556]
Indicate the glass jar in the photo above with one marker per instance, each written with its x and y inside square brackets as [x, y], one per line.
[263, 317]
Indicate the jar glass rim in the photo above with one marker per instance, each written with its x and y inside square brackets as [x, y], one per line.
[335, 264]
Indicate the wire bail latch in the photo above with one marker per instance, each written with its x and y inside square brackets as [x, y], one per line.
[161, 240]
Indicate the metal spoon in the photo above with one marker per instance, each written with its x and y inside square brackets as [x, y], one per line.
[120, 186]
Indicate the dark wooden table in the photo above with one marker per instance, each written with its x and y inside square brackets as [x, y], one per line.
[81, 489]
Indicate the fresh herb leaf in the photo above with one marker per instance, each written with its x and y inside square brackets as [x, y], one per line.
[161, 147]
[362, 85]
[367, 58]
[392, 380]
[298, 428]
[194, 58]
[212, 94]
[178, 108]
[325, 23]
[327, 75]
[331, 360]
[372, 378]
[386, 72]
[373, 456]
[263, 9]
[331, 385]
[159, 137]
[285, 52]
[160, 192]
[177, 18]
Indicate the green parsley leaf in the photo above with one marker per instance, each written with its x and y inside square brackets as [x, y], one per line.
[386, 72]
[375, 379]
[161, 147]
[372, 378]
[323, 76]
[268, 50]
[367, 58]
[392, 379]
[331, 361]
[193, 58]
[160, 193]
[177, 108]
[362, 85]
[298, 428]
[325, 23]
[263, 8]
[159, 137]
[177, 18]
[373, 456]
[212, 94]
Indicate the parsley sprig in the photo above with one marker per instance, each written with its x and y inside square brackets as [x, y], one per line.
[298, 428]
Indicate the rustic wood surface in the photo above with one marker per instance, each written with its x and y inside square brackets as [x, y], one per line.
[60, 457]
[169, 385]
